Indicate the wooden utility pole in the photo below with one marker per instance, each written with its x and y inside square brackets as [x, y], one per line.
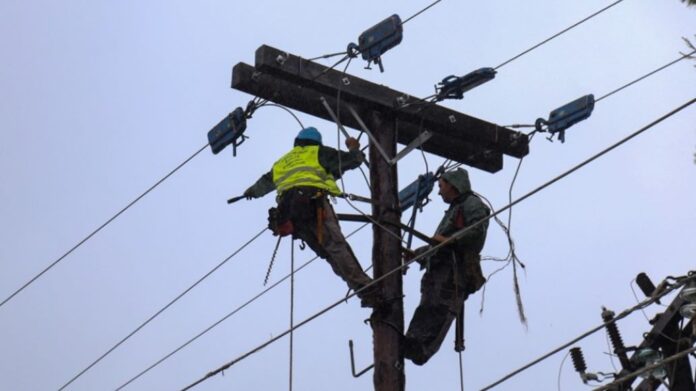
[388, 320]
[306, 86]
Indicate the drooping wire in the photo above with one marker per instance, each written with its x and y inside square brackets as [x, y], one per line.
[229, 315]
[644, 76]
[112, 218]
[265, 104]
[511, 257]
[457, 235]
[161, 310]
[560, 369]
[558, 34]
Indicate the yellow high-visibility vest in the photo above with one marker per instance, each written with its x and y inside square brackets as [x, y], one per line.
[300, 167]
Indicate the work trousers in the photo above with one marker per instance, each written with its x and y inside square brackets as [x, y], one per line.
[447, 282]
[333, 246]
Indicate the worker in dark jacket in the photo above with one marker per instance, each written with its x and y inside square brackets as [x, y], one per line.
[453, 272]
[305, 178]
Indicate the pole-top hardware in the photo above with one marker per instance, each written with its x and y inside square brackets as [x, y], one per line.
[566, 116]
[376, 40]
[454, 87]
[228, 131]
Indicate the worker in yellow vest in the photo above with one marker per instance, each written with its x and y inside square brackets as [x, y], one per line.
[305, 177]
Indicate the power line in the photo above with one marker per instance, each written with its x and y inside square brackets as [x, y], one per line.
[620, 316]
[451, 239]
[558, 34]
[161, 310]
[230, 314]
[420, 12]
[80, 243]
[644, 76]
[646, 369]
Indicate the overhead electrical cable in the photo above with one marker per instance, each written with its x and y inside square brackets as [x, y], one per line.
[558, 34]
[230, 314]
[81, 242]
[161, 310]
[644, 76]
[514, 260]
[452, 238]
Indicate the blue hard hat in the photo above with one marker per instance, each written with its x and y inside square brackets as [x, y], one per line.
[310, 133]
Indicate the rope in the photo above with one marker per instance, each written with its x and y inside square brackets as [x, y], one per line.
[160, 311]
[80, 243]
[230, 314]
[558, 34]
[620, 316]
[292, 305]
[433, 249]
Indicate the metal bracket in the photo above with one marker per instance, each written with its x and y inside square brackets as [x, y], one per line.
[334, 117]
[417, 142]
[352, 362]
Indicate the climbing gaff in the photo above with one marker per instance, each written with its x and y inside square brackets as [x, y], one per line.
[454, 87]
[566, 116]
[376, 40]
[228, 131]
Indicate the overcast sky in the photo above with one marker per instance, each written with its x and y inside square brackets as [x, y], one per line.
[99, 99]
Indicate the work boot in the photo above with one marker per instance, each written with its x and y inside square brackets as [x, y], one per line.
[414, 351]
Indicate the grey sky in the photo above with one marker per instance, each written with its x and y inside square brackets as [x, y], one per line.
[99, 99]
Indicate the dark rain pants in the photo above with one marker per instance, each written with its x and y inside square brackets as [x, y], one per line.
[333, 246]
[444, 287]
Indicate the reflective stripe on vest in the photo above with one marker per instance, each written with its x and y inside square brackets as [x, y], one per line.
[300, 167]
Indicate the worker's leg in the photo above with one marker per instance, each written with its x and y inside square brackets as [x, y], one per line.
[340, 255]
[440, 302]
[336, 251]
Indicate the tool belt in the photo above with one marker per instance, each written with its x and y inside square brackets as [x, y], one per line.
[296, 206]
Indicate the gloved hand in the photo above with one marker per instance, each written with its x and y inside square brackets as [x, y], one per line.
[352, 143]
[410, 254]
[247, 194]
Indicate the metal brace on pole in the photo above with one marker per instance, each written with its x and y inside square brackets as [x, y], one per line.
[335, 118]
[417, 142]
